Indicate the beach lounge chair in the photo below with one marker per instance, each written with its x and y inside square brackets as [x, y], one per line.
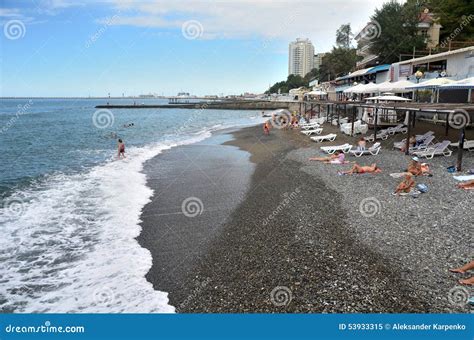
[330, 137]
[419, 139]
[373, 150]
[400, 128]
[424, 145]
[316, 131]
[468, 145]
[310, 126]
[382, 134]
[332, 149]
[439, 149]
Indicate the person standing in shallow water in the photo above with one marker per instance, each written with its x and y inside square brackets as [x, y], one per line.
[121, 148]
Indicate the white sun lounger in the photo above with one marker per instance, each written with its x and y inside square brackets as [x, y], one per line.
[419, 138]
[373, 150]
[309, 126]
[332, 149]
[439, 149]
[319, 139]
[316, 131]
[382, 134]
[468, 145]
[400, 128]
[424, 145]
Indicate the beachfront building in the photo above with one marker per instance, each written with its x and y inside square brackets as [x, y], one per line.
[318, 60]
[376, 74]
[300, 57]
[363, 49]
[455, 65]
[452, 65]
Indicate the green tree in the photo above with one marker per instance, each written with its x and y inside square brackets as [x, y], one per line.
[394, 30]
[344, 36]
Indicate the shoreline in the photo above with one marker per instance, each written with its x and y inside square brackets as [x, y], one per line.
[314, 246]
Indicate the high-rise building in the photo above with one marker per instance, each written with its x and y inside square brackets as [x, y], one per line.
[301, 57]
[318, 60]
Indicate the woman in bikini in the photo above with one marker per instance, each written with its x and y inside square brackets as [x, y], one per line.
[337, 158]
[358, 169]
[121, 148]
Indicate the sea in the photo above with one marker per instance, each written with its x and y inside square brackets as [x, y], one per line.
[70, 209]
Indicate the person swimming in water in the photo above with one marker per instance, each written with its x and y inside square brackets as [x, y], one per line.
[121, 148]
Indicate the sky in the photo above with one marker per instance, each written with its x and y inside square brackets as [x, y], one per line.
[93, 48]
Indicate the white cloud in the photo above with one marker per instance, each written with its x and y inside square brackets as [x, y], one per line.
[267, 19]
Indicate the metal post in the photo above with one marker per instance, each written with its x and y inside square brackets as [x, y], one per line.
[447, 125]
[461, 149]
[353, 120]
[414, 118]
[407, 151]
[469, 96]
[375, 123]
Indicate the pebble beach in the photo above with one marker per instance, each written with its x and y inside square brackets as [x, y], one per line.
[279, 233]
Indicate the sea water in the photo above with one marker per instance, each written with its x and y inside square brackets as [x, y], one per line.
[70, 210]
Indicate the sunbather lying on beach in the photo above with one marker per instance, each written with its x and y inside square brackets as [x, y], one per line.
[406, 185]
[469, 185]
[337, 158]
[462, 270]
[417, 168]
[358, 169]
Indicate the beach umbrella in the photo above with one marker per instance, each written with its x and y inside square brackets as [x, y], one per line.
[463, 84]
[354, 88]
[389, 98]
[396, 87]
[362, 88]
[432, 83]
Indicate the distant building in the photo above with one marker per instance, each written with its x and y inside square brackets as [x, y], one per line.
[429, 29]
[318, 60]
[301, 57]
